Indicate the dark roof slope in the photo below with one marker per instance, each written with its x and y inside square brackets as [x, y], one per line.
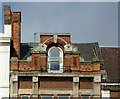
[111, 59]
[24, 49]
[88, 51]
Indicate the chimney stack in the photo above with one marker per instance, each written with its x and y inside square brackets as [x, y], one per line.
[13, 19]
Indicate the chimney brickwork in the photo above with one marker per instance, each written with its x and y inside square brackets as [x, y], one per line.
[13, 19]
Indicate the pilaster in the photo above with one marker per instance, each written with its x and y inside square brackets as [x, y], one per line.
[14, 86]
[35, 86]
[97, 85]
[75, 86]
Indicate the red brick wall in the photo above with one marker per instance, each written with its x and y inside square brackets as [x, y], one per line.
[16, 33]
[66, 61]
[25, 66]
[115, 95]
[55, 83]
[86, 66]
[75, 62]
[90, 66]
[86, 83]
[66, 38]
[7, 14]
[43, 61]
[13, 18]
[44, 38]
[96, 66]
[25, 83]
[14, 65]
[38, 61]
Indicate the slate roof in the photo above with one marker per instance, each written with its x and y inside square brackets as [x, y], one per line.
[24, 49]
[88, 51]
[111, 62]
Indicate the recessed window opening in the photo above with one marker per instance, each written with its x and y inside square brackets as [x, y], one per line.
[85, 97]
[25, 96]
[55, 60]
[47, 97]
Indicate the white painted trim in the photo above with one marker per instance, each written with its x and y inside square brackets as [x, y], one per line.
[107, 84]
[105, 94]
[61, 63]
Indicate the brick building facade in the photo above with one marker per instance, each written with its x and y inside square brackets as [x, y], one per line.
[53, 68]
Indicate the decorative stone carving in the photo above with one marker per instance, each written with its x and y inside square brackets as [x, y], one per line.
[35, 79]
[75, 49]
[40, 47]
[14, 78]
[70, 47]
[76, 79]
[81, 59]
[97, 78]
[55, 38]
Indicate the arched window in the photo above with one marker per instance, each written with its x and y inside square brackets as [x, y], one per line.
[55, 60]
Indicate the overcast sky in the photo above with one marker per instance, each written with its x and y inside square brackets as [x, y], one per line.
[86, 21]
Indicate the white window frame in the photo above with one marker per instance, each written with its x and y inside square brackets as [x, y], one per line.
[105, 94]
[82, 97]
[62, 96]
[61, 61]
[47, 96]
[25, 95]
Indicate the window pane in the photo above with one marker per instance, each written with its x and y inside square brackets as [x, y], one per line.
[54, 52]
[24, 97]
[46, 97]
[54, 65]
[63, 97]
[85, 97]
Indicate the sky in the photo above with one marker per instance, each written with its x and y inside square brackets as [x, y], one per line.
[86, 21]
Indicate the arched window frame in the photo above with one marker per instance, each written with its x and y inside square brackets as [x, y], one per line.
[60, 61]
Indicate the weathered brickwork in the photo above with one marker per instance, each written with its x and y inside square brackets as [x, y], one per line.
[25, 83]
[25, 66]
[75, 62]
[86, 83]
[66, 38]
[76, 71]
[14, 19]
[114, 95]
[7, 14]
[44, 38]
[55, 83]
[40, 60]
[16, 33]
[40, 63]
[14, 65]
